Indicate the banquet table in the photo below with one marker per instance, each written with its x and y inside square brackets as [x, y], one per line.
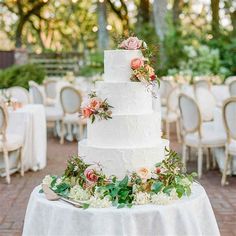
[29, 122]
[189, 216]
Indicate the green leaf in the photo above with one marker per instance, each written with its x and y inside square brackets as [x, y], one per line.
[167, 190]
[157, 186]
[180, 190]
[122, 205]
[124, 182]
[93, 118]
[85, 206]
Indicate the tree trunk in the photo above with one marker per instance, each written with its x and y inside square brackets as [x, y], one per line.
[215, 25]
[159, 13]
[102, 23]
[19, 30]
[177, 9]
[233, 20]
[144, 11]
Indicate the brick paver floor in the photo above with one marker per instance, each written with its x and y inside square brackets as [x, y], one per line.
[14, 197]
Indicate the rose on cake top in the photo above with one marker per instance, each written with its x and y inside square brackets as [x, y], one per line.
[132, 43]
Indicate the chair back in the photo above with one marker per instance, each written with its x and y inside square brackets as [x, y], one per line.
[71, 100]
[232, 88]
[165, 88]
[51, 88]
[3, 120]
[172, 100]
[20, 94]
[229, 79]
[201, 83]
[229, 117]
[189, 114]
[37, 95]
[206, 102]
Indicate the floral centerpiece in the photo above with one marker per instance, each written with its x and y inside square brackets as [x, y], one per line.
[88, 185]
[142, 70]
[96, 107]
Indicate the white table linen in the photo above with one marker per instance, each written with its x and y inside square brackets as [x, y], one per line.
[30, 123]
[188, 216]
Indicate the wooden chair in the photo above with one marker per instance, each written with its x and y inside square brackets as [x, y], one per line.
[9, 142]
[195, 133]
[229, 114]
[71, 100]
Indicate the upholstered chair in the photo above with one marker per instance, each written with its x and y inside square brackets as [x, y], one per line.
[229, 115]
[20, 94]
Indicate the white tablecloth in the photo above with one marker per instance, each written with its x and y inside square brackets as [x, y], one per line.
[29, 122]
[189, 216]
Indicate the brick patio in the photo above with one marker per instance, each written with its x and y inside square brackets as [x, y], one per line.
[14, 197]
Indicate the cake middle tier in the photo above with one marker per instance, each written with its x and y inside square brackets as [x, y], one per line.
[143, 130]
[126, 97]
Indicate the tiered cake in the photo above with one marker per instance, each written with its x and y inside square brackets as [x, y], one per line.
[132, 138]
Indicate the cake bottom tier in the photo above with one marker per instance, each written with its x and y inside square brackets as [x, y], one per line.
[121, 161]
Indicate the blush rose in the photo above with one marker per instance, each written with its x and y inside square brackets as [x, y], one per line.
[136, 63]
[132, 43]
[90, 175]
[87, 112]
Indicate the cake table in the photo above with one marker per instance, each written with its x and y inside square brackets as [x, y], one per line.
[188, 216]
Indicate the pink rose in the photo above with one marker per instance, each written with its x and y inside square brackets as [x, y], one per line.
[158, 170]
[86, 112]
[90, 175]
[132, 43]
[95, 103]
[136, 63]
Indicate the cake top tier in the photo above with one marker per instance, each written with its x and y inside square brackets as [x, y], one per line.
[117, 64]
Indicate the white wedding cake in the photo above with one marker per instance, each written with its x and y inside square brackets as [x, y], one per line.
[132, 138]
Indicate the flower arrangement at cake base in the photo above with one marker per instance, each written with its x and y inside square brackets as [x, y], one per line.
[90, 187]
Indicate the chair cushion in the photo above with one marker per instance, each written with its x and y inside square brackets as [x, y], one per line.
[209, 137]
[73, 119]
[232, 147]
[50, 102]
[171, 117]
[14, 142]
[53, 113]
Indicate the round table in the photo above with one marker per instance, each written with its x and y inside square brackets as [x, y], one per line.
[188, 216]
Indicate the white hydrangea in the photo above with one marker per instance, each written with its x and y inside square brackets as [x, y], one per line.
[79, 194]
[141, 198]
[173, 195]
[161, 199]
[96, 202]
[47, 180]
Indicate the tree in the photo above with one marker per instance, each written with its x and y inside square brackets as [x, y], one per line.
[177, 10]
[215, 24]
[102, 24]
[159, 13]
[24, 10]
[143, 11]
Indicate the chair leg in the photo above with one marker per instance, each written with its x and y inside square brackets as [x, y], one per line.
[178, 131]
[213, 159]
[6, 160]
[227, 161]
[184, 155]
[81, 131]
[21, 162]
[208, 158]
[199, 162]
[188, 153]
[62, 132]
[167, 130]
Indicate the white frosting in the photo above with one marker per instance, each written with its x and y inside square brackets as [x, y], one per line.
[126, 131]
[120, 161]
[125, 97]
[117, 64]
